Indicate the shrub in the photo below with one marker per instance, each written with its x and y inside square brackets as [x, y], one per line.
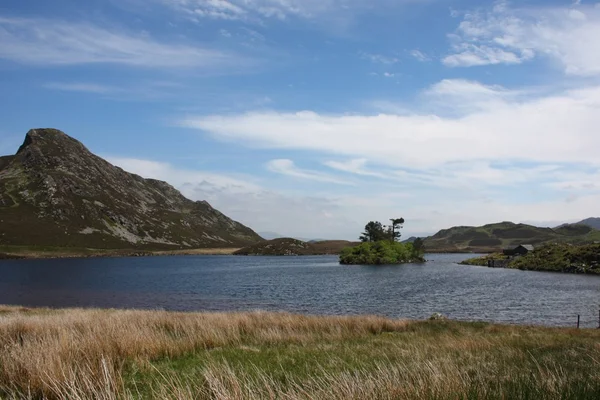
[381, 253]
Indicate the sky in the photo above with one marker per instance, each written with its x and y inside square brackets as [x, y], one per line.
[310, 118]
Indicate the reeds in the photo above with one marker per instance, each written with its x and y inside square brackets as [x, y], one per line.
[124, 354]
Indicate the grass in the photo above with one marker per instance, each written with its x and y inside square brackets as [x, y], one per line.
[482, 261]
[111, 354]
[72, 252]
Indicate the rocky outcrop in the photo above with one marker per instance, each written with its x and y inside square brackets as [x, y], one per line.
[55, 192]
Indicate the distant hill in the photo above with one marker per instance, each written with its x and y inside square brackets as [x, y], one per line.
[55, 192]
[270, 235]
[593, 222]
[294, 247]
[494, 237]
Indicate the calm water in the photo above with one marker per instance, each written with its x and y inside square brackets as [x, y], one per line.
[314, 285]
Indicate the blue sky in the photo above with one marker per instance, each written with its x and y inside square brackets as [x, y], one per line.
[310, 118]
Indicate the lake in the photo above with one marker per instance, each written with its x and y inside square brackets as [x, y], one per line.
[310, 285]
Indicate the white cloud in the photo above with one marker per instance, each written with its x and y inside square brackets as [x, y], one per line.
[420, 56]
[504, 35]
[51, 42]
[554, 128]
[287, 167]
[462, 96]
[358, 167]
[469, 55]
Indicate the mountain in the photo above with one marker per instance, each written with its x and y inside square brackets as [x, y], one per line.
[55, 192]
[494, 237]
[591, 222]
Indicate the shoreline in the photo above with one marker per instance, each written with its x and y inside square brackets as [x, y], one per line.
[28, 253]
[66, 253]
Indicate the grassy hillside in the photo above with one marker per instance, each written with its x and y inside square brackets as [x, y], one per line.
[593, 222]
[54, 192]
[294, 247]
[109, 354]
[494, 237]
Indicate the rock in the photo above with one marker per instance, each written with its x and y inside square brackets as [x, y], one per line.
[437, 316]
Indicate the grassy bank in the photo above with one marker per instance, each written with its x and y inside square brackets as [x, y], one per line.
[482, 261]
[33, 252]
[109, 354]
[557, 257]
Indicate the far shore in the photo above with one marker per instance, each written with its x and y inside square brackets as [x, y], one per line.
[19, 252]
[29, 253]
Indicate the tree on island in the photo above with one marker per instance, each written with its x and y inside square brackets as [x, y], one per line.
[375, 231]
[397, 223]
[380, 245]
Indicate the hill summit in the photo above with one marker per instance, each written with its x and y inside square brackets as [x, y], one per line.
[55, 192]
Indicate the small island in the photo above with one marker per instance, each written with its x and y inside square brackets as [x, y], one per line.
[556, 257]
[381, 246]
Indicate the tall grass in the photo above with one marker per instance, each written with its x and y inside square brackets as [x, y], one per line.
[112, 354]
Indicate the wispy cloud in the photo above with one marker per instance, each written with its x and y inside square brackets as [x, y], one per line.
[379, 58]
[503, 35]
[470, 55]
[82, 87]
[256, 10]
[420, 56]
[358, 167]
[287, 167]
[45, 42]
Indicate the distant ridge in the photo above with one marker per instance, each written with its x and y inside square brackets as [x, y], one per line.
[55, 192]
[494, 237]
[593, 222]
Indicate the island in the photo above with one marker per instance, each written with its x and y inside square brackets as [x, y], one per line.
[555, 257]
[381, 246]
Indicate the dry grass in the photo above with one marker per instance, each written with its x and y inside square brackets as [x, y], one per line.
[111, 354]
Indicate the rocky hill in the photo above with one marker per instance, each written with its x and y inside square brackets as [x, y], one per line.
[55, 192]
[294, 247]
[495, 237]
